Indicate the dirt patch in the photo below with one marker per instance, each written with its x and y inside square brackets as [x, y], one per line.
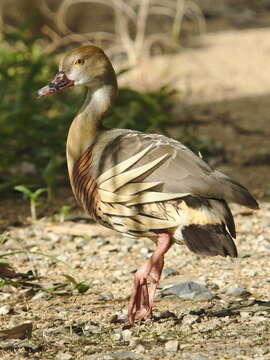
[68, 324]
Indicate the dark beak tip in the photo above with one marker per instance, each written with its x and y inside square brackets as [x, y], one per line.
[59, 83]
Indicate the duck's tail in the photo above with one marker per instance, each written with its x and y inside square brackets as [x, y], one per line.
[208, 227]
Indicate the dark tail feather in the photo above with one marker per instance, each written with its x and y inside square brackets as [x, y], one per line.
[237, 193]
[209, 240]
[223, 211]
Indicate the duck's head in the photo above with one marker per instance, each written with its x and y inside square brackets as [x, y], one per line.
[86, 65]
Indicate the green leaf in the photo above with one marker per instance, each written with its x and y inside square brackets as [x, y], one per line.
[83, 286]
[24, 190]
[70, 279]
[38, 192]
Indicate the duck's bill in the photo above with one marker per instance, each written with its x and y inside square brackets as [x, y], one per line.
[59, 83]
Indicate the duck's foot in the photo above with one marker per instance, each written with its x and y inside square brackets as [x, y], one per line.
[142, 297]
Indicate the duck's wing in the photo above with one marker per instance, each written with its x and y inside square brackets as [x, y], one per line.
[128, 162]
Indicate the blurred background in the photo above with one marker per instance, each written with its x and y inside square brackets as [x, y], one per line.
[194, 70]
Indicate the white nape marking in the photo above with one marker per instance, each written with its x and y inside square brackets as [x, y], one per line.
[101, 100]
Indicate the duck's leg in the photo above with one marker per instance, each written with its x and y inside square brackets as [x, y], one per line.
[142, 298]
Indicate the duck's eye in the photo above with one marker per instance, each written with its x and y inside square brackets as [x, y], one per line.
[78, 62]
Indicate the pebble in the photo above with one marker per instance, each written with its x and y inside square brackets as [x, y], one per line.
[128, 244]
[140, 349]
[27, 345]
[4, 296]
[172, 345]
[92, 259]
[166, 314]
[63, 356]
[236, 290]
[190, 319]
[145, 251]
[106, 296]
[41, 295]
[169, 272]
[199, 357]
[126, 334]
[117, 336]
[245, 314]
[188, 291]
[5, 309]
[121, 355]
[119, 317]
[102, 242]
[118, 273]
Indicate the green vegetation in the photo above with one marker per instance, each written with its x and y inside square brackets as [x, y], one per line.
[34, 131]
[33, 196]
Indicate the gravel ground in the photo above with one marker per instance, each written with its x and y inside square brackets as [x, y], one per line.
[227, 318]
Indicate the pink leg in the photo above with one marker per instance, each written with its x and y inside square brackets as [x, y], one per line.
[142, 298]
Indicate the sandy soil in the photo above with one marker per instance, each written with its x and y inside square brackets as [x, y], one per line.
[233, 324]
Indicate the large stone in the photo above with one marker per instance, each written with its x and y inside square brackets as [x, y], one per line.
[189, 290]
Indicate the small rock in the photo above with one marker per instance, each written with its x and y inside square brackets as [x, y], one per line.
[134, 341]
[199, 357]
[128, 244]
[169, 272]
[126, 334]
[172, 345]
[117, 337]
[26, 293]
[102, 242]
[63, 356]
[122, 355]
[92, 259]
[190, 319]
[236, 290]
[90, 327]
[5, 309]
[145, 251]
[140, 349]
[28, 345]
[125, 248]
[188, 291]
[166, 314]
[119, 317]
[4, 296]
[118, 273]
[199, 311]
[245, 314]
[41, 295]
[106, 296]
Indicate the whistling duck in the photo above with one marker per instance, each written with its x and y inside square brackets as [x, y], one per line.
[142, 185]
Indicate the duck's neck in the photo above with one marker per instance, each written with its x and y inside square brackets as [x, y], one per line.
[87, 123]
